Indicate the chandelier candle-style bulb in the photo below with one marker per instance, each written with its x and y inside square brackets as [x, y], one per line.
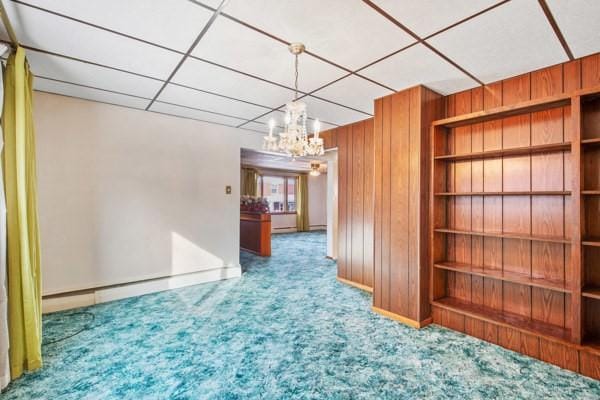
[317, 128]
[270, 142]
[271, 127]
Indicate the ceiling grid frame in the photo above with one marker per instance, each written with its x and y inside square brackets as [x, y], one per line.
[418, 40]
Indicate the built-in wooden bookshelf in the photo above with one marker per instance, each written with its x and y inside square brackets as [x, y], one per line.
[590, 216]
[515, 217]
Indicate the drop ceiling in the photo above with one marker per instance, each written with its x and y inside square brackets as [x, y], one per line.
[227, 62]
[281, 162]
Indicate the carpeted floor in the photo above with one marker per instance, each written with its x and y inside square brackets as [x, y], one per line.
[285, 330]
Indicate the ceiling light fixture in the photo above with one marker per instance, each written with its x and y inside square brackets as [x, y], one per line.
[315, 169]
[294, 140]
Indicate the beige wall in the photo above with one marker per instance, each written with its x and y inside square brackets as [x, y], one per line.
[126, 195]
[317, 201]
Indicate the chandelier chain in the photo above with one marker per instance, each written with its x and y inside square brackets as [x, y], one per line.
[296, 80]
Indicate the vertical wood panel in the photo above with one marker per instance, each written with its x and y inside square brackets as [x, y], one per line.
[349, 195]
[385, 204]
[377, 183]
[415, 158]
[357, 202]
[403, 204]
[368, 206]
[342, 193]
[399, 199]
[356, 169]
[590, 71]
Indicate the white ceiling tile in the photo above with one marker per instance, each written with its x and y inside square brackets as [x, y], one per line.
[174, 24]
[512, 39]
[347, 32]
[195, 114]
[209, 102]
[354, 92]
[578, 21]
[331, 113]
[59, 35]
[425, 17]
[241, 48]
[277, 115]
[91, 75]
[257, 127]
[205, 76]
[419, 66]
[88, 93]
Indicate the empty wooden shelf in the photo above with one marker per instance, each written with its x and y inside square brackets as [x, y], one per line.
[591, 241]
[515, 151]
[504, 318]
[519, 193]
[507, 276]
[552, 239]
[591, 292]
[591, 142]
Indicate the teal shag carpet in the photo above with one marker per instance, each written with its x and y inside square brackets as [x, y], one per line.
[285, 330]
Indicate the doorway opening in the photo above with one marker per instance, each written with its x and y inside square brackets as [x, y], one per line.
[299, 195]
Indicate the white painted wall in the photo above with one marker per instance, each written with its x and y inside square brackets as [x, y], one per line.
[127, 195]
[281, 223]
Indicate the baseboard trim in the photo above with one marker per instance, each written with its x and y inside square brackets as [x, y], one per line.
[406, 321]
[103, 295]
[356, 285]
[284, 230]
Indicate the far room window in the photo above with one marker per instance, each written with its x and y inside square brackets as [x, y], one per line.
[291, 194]
[280, 192]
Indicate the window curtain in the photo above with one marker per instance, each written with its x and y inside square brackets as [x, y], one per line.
[302, 204]
[4, 360]
[23, 256]
[249, 186]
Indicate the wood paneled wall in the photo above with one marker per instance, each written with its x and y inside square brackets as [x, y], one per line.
[402, 123]
[527, 215]
[355, 202]
[329, 138]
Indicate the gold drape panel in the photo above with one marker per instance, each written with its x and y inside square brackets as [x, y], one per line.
[23, 256]
[302, 224]
[248, 184]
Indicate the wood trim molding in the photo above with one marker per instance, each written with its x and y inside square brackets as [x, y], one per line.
[400, 318]
[354, 284]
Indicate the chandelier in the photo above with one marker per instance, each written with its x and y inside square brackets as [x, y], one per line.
[294, 140]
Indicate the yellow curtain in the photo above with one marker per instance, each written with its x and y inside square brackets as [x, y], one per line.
[249, 186]
[24, 280]
[302, 204]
